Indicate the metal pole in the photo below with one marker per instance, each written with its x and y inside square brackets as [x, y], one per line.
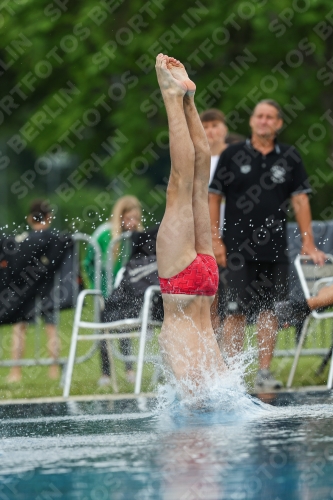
[298, 352]
[71, 358]
[109, 259]
[145, 318]
[330, 375]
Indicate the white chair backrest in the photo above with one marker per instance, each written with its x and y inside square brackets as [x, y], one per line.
[100, 229]
[309, 273]
[119, 277]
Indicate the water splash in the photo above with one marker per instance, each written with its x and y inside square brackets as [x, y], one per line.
[224, 396]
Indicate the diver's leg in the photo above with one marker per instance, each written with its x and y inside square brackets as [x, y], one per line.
[209, 353]
[203, 237]
[202, 228]
[175, 239]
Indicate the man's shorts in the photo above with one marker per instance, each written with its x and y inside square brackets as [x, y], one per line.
[48, 316]
[255, 287]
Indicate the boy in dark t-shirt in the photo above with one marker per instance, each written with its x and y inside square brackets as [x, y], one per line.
[43, 245]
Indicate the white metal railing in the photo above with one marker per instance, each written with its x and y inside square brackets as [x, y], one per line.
[137, 328]
[312, 278]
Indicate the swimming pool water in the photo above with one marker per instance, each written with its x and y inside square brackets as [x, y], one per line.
[119, 450]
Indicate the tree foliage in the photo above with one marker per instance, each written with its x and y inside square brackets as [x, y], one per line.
[82, 111]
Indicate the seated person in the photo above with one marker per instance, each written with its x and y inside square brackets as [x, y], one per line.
[139, 273]
[126, 216]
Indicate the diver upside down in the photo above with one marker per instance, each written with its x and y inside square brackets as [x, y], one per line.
[187, 268]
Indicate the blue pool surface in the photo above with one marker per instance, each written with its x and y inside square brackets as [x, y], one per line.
[279, 449]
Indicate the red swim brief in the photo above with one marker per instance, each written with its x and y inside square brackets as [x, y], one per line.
[201, 277]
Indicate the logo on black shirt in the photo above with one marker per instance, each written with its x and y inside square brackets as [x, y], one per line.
[245, 169]
[278, 174]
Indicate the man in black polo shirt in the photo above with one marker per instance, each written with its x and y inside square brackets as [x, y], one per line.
[258, 177]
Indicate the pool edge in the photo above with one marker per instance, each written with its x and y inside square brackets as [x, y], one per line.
[116, 397]
[89, 397]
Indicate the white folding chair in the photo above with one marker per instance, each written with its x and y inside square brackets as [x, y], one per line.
[312, 278]
[137, 328]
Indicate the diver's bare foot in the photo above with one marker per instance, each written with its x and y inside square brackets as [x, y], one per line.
[178, 71]
[169, 85]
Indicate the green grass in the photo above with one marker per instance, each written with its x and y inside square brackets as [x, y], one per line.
[36, 383]
[320, 336]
